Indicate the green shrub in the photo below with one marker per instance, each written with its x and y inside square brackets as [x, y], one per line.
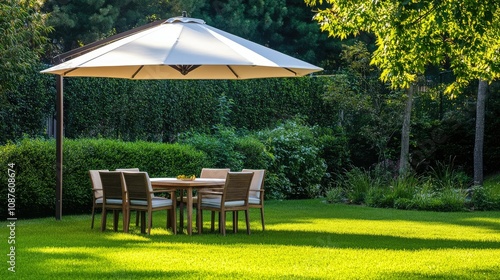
[357, 182]
[36, 173]
[453, 200]
[297, 162]
[254, 153]
[379, 197]
[335, 195]
[403, 203]
[219, 146]
[483, 198]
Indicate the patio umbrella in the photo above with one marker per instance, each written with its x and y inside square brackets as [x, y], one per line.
[178, 48]
[183, 48]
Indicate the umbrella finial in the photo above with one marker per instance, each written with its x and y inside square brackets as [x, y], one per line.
[184, 14]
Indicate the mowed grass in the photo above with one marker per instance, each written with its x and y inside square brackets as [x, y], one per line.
[305, 239]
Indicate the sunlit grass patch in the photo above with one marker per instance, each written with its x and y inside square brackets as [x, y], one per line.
[304, 239]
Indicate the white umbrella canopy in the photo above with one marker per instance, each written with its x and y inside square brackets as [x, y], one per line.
[183, 48]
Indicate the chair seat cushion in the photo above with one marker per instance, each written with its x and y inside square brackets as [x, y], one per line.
[215, 202]
[253, 200]
[113, 201]
[100, 200]
[156, 202]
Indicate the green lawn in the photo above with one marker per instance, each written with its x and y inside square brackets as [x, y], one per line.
[305, 239]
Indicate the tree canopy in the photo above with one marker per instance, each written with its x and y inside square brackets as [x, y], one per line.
[412, 34]
[22, 41]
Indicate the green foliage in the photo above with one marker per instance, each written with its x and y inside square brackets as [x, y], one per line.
[412, 35]
[35, 169]
[335, 195]
[25, 108]
[219, 146]
[357, 182]
[78, 23]
[368, 111]
[254, 152]
[22, 41]
[441, 190]
[484, 197]
[297, 160]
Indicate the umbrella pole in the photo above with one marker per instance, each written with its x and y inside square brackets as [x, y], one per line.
[59, 146]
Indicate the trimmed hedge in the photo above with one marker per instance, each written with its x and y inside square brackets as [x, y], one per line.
[36, 173]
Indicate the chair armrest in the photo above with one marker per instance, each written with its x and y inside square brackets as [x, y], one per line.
[210, 192]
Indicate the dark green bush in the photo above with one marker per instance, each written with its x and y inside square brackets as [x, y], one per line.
[36, 173]
[219, 146]
[297, 161]
[482, 198]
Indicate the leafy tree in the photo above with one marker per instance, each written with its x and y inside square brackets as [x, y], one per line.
[78, 23]
[23, 37]
[411, 35]
[24, 34]
[367, 109]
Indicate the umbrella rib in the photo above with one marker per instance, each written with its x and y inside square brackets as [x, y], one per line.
[69, 71]
[236, 75]
[291, 71]
[136, 72]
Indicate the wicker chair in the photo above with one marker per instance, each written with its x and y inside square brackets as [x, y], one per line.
[95, 179]
[256, 194]
[128, 169]
[131, 170]
[114, 198]
[233, 197]
[142, 199]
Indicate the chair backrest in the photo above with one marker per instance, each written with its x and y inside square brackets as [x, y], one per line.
[138, 185]
[96, 182]
[216, 173]
[112, 185]
[237, 186]
[128, 169]
[257, 181]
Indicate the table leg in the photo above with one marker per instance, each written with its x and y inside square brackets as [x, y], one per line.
[181, 210]
[190, 210]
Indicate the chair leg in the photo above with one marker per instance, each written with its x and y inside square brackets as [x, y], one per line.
[222, 223]
[115, 220]
[199, 220]
[262, 218]
[137, 213]
[143, 221]
[235, 221]
[93, 213]
[150, 221]
[247, 220]
[126, 220]
[173, 222]
[103, 219]
[236, 213]
[212, 226]
[181, 214]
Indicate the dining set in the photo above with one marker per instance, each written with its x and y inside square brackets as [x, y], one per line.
[217, 190]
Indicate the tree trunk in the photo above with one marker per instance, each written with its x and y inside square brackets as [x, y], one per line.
[404, 159]
[479, 141]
